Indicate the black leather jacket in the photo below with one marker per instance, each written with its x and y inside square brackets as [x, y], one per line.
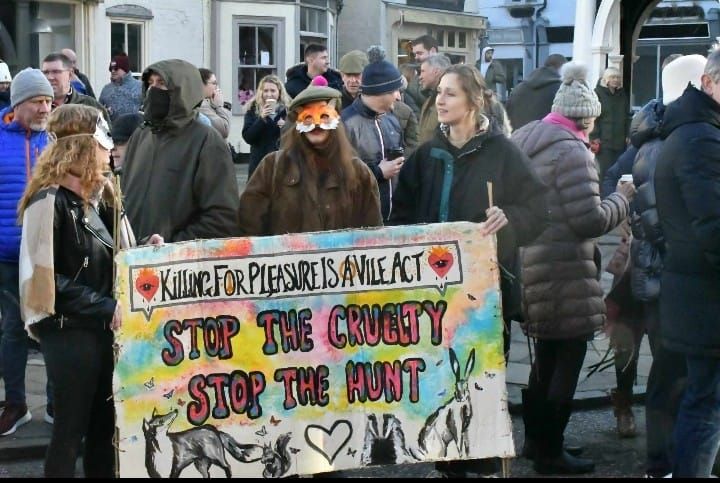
[83, 259]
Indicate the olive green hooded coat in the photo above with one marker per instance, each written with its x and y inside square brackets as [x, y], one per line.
[179, 179]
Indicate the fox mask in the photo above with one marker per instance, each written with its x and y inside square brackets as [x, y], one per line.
[320, 114]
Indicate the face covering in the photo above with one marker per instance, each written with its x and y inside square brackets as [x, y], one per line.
[317, 114]
[156, 106]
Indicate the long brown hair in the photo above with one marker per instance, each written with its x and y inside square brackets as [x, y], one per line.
[67, 154]
[336, 157]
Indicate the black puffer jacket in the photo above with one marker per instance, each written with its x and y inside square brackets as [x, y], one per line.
[83, 259]
[532, 99]
[297, 79]
[647, 245]
[687, 177]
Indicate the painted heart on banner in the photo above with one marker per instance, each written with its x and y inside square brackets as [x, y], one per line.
[329, 442]
[147, 283]
[441, 261]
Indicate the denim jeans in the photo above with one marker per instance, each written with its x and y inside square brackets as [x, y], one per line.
[13, 345]
[697, 429]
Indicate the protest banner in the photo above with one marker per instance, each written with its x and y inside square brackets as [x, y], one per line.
[298, 354]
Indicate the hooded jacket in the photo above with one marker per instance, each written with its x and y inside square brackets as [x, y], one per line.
[562, 296]
[179, 179]
[297, 79]
[487, 157]
[532, 99]
[687, 176]
[493, 72]
[19, 149]
[647, 246]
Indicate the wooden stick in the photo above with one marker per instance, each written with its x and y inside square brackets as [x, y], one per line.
[490, 194]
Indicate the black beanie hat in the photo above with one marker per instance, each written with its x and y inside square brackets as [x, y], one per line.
[124, 126]
[379, 76]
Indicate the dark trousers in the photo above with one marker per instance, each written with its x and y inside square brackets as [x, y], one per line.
[556, 369]
[80, 366]
[665, 386]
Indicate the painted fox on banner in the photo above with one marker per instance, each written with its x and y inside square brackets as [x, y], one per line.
[298, 354]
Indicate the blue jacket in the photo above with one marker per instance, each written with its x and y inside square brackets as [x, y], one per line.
[123, 98]
[19, 149]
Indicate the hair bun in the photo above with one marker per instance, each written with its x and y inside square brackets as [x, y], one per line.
[574, 71]
[376, 53]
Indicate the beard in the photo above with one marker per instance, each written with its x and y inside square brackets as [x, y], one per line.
[38, 126]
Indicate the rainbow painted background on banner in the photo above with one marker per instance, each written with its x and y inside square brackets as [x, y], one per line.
[382, 329]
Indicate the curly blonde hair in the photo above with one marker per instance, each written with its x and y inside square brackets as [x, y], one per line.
[72, 151]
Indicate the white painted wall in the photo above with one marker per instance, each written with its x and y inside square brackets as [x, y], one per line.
[177, 30]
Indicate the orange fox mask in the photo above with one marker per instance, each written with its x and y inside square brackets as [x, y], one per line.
[320, 114]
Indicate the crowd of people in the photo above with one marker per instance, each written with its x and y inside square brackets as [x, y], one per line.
[369, 145]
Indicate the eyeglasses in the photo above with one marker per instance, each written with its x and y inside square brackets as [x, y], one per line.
[54, 72]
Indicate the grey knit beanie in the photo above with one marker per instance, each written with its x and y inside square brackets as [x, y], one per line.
[29, 83]
[575, 99]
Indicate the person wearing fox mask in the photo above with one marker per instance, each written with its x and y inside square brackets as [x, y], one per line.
[314, 182]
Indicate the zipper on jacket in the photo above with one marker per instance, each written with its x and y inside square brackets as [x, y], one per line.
[85, 263]
[96, 235]
[382, 154]
[75, 221]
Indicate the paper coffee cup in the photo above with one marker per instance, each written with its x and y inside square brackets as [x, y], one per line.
[626, 178]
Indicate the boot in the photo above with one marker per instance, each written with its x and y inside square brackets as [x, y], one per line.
[622, 407]
[551, 457]
[530, 418]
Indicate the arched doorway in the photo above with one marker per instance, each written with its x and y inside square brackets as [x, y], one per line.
[624, 30]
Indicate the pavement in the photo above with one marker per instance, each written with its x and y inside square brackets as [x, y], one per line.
[31, 440]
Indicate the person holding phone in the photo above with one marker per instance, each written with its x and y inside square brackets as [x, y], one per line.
[213, 104]
[264, 119]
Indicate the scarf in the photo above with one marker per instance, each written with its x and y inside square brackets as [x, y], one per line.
[565, 123]
[37, 264]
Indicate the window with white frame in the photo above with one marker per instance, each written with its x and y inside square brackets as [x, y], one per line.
[128, 36]
[257, 54]
[128, 33]
[313, 24]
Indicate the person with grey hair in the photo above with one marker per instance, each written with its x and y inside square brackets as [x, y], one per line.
[611, 127]
[687, 176]
[431, 70]
[23, 137]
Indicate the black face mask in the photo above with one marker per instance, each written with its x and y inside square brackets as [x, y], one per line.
[156, 106]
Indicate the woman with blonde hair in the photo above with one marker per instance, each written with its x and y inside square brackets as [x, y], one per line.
[66, 282]
[448, 178]
[265, 117]
[610, 136]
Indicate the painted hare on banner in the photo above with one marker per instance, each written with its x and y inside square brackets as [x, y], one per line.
[451, 421]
